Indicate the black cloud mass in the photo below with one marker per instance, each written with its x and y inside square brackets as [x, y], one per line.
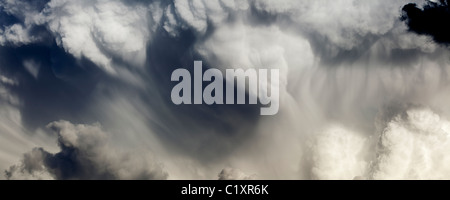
[433, 19]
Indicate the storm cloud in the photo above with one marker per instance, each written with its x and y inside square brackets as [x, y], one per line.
[430, 20]
[362, 84]
[84, 154]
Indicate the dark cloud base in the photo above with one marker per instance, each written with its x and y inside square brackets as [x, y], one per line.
[85, 153]
[433, 20]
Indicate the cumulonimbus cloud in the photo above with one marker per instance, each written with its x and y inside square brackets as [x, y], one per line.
[341, 63]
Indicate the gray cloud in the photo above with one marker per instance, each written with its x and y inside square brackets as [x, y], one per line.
[85, 153]
[234, 174]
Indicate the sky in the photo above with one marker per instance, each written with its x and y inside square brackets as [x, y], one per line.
[85, 89]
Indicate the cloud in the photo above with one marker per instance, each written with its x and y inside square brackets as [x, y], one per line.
[17, 35]
[235, 174]
[32, 67]
[337, 26]
[96, 30]
[32, 168]
[85, 153]
[102, 33]
[413, 145]
[428, 20]
[338, 153]
[410, 142]
[110, 62]
[200, 14]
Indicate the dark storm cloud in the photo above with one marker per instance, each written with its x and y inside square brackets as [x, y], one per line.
[432, 19]
[84, 154]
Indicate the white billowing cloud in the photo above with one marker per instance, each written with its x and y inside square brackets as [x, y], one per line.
[235, 174]
[411, 143]
[170, 24]
[100, 30]
[414, 145]
[340, 24]
[104, 30]
[24, 10]
[338, 153]
[193, 13]
[19, 34]
[196, 14]
[242, 46]
[85, 153]
[97, 30]
[16, 35]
